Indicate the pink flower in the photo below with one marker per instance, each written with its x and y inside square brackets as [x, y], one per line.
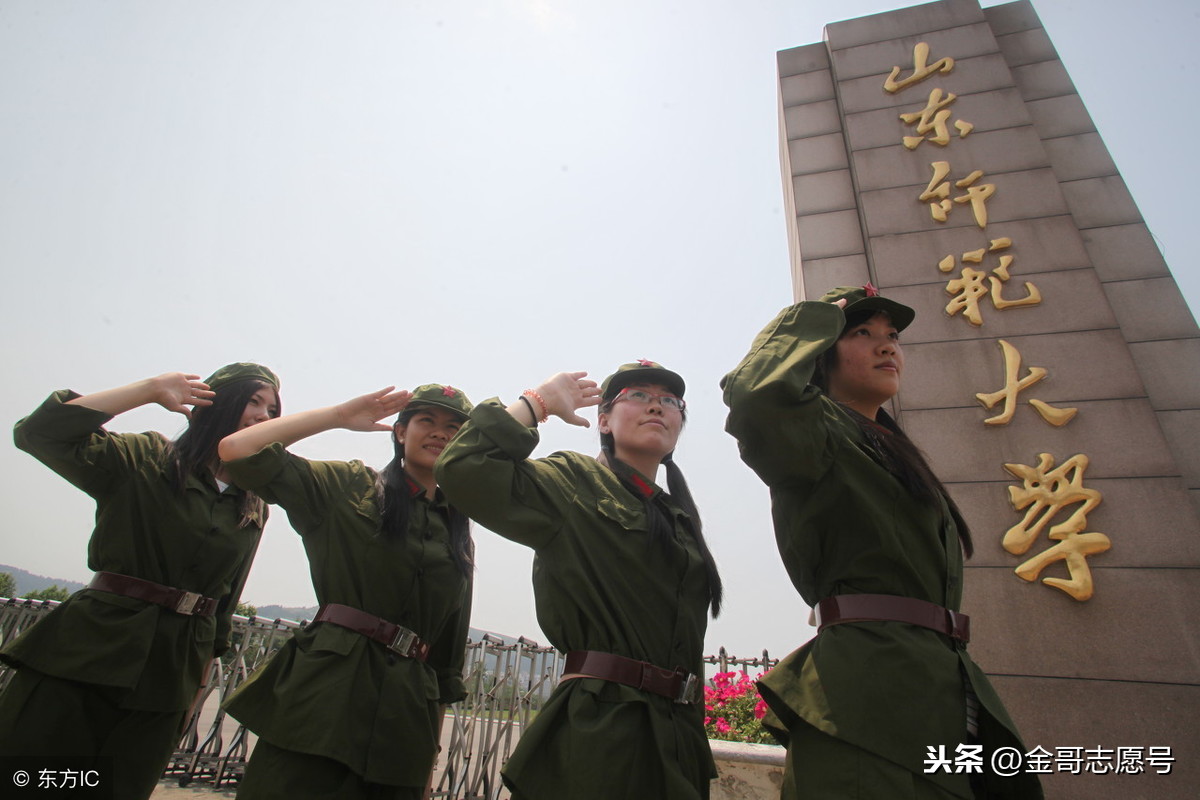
[734, 708]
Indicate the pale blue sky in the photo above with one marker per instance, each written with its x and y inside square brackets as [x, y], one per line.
[478, 193]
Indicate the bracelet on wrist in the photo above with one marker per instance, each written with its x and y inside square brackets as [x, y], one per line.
[533, 414]
[541, 404]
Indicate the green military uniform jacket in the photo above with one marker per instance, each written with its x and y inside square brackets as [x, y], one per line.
[146, 529]
[845, 525]
[330, 691]
[599, 584]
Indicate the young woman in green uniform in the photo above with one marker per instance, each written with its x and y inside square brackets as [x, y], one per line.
[623, 583]
[872, 540]
[111, 672]
[351, 706]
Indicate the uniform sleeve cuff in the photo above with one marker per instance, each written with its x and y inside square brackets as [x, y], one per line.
[513, 439]
[451, 689]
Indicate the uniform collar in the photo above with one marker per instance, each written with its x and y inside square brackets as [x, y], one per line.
[646, 488]
[417, 490]
[629, 477]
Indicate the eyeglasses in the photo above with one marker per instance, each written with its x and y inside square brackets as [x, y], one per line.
[644, 397]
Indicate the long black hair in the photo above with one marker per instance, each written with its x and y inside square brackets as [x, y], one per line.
[661, 528]
[396, 491]
[893, 449]
[195, 451]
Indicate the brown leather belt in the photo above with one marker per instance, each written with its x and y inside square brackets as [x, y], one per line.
[394, 637]
[680, 686]
[892, 608]
[179, 601]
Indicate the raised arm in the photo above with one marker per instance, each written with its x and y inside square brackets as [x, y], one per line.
[773, 411]
[174, 391]
[559, 396]
[486, 471]
[359, 414]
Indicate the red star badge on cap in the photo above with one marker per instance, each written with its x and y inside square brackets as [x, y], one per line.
[645, 362]
[449, 391]
[871, 290]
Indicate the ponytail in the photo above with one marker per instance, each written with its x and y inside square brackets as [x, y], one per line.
[678, 488]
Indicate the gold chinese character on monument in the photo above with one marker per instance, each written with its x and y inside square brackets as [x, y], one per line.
[933, 118]
[972, 285]
[1046, 490]
[937, 194]
[922, 69]
[1013, 385]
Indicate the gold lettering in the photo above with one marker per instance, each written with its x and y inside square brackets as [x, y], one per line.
[937, 194]
[1013, 386]
[968, 289]
[921, 69]
[1046, 490]
[933, 119]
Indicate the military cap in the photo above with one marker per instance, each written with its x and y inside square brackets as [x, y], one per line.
[868, 298]
[241, 371]
[641, 371]
[447, 397]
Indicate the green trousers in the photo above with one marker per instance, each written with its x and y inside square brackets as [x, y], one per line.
[277, 774]
[823, 767]
[46, 717]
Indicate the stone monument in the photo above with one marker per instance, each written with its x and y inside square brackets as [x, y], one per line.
[941, 153]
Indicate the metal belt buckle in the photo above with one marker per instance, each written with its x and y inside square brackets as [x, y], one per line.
[689, 689]
[404, 641]
[187, 602]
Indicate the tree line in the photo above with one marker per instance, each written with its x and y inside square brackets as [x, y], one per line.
[8, 588]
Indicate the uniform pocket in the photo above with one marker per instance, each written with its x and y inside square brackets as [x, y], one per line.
[93, 637]
[630, 518]
[329, 638]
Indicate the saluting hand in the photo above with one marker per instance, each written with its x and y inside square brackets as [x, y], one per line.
[175, 391]
[567, 392]
[363, 413]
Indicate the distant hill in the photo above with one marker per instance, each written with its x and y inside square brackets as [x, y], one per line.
[28, 582]
[285, 612]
